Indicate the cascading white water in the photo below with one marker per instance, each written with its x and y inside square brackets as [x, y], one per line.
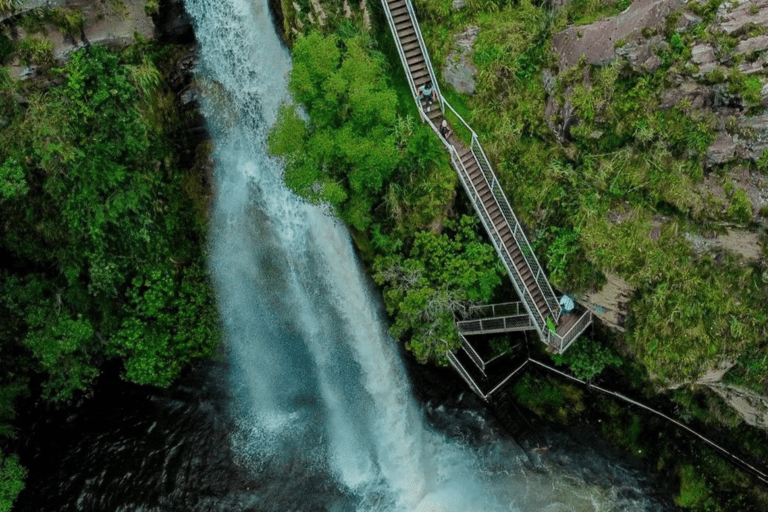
[301, 323]
[319, 385]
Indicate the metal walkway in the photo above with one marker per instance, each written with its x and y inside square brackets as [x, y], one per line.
[483, 189]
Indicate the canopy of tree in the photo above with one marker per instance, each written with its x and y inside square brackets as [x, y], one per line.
[102, 251]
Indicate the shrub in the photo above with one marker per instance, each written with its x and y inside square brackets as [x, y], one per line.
[740, 209]
[586, 358]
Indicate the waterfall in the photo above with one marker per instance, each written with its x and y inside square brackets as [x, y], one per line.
[312, 352]
[324, 407]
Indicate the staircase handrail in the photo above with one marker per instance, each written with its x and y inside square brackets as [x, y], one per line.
[466, 125]
[574, 332]
[468, 349]
[517, 230]
[540, 322]
[400, 51]
[424, 52]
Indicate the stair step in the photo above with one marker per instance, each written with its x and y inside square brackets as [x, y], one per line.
[412, 52]
[400, 17]
[413, 61]
[417, 65]
[410, 46]
[394, 4]
[420, 78]
[409, 40]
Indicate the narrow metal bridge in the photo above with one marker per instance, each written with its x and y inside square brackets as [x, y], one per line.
[538, 300]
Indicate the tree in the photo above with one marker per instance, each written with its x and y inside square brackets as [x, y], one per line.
[586, 358]
[99, 229]
[348, 150]
[12, 476]
[440, 277]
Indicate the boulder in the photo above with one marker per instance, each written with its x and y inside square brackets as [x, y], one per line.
[597, 41]
[758, 126]
[458, 70]
[703, 55]
[732, 16]
[699, 95]
[753, 44]
[642, 56]
[722, 150]
[751, 68]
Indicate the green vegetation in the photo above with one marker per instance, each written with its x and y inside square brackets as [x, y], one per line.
[550, 398]
[694, 492]
[348, 151]
[102, 245]
[104, 215]
[587, 359]
[440, 277]
[11, 480]
[363, 155]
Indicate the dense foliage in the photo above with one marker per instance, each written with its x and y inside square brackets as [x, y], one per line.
[106, 257]
[628, 165]
[360, 152]
[102, 249]
[348, 150]
[11, 480]
[439, 278]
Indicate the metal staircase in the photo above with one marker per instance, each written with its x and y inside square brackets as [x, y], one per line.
[483, 189]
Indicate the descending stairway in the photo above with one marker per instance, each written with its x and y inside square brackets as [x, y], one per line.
[487, 197]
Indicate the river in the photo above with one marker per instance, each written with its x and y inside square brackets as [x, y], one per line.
[311, 407]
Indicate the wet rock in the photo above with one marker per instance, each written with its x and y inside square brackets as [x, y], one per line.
[734, 15]
[722, 150]
[458, 70]
[173, 22]
[458, 4]
[597, 41]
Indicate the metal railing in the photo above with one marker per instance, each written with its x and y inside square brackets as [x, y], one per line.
[517, 230]
[467, 347]
[538, 317]
[404, 59]
[496, 325]
[491, 310]
[564, 341]
[423, 47]
[465, 375]
[515, 227]
[501, 248]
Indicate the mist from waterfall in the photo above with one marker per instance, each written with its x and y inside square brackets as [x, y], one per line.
[323, 405]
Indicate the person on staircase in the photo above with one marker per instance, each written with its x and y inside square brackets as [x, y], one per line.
[428, 94]
[445, 131]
